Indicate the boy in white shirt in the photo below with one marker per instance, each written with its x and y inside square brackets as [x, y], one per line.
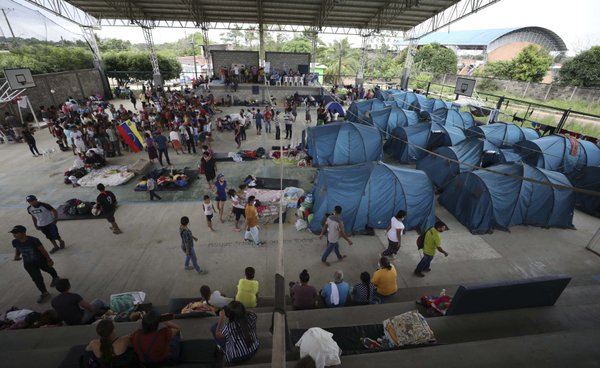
[209, 211]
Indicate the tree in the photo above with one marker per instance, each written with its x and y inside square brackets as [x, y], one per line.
[503, 69]
[297, 44]
[341, 59]
[129, 65]
[47, 58]
[113, 44]
[531, 64]
[436, 59]
[583, 70]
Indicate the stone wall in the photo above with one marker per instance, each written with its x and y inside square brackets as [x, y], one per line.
[538, 91]
[78, 84]
[227, 58]
[287, 60]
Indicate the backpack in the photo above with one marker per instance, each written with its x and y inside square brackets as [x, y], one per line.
[421, 239]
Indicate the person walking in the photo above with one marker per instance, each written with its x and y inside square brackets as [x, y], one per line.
[394, 235]
[251, 222]
[268, 115]
[30, 140]
[335, 230]
[209, 164]
[35, 259]
[221, 195]
[277, 125]
[237, 135]
[162, 147]
[307, 116]
[209, 211]
[151, 186]
[187, 246]
[259, 120]
[432, 241]
[107, 203]
[289, 120]
[150, 148]
[44, 218]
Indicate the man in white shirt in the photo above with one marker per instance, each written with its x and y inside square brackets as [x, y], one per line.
[394, 234]
[77, 140]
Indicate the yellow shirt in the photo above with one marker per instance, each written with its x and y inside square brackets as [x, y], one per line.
[385, 281]
[251, 216]
[431, 241]
[246, 292]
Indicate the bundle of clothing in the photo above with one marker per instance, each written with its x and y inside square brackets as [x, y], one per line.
[71, 176]
[165, 179]
[77, 207]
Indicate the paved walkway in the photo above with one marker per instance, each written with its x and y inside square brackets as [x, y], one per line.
[147, 255]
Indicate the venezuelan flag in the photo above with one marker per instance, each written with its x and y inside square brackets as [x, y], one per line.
[131, 136]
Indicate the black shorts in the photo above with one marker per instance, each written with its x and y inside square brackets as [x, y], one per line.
[110, 216]
[51, 231]
[209, 217]
[239, 212]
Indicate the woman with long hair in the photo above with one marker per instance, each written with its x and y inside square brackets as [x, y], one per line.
[236, 336]
[364, 291]
[109, 351]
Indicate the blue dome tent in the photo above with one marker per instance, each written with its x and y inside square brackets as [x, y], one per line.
[343, 144]
[406, 100]
[358, 109]
[559, 153]
[501, 135]
[391, 117]
[587, 178]
[499, 156]
[403, 142]
[483, 200]
[370, 194]
[445, 135]
[441, 170]
[333, 107]
[462, 120]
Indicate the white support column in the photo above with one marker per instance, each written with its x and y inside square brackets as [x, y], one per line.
[158, 81]
[412, 50]
[360, 75]
[313, 55]
[207, 51]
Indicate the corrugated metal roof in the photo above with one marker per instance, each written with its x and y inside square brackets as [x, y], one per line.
[396, 15]
[482, 37]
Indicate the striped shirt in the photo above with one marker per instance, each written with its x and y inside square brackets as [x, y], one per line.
[235, 345]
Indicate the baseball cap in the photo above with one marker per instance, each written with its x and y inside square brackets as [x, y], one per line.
[18, 229]
[31, 198]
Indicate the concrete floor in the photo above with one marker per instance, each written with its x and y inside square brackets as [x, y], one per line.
[147, 255]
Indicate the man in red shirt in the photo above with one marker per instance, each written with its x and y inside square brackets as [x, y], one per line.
[268, 115]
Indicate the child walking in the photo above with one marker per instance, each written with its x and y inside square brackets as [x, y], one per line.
[187, 246]
[151, 186]
[209, 211]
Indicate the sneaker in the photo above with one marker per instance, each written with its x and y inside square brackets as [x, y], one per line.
[427, 270]
[44, 297]
[326, 263]
[62, 244]
[419, 274]
[202, 272]
[343, 256]
[54, 250]
[53, 283]
[187, 268]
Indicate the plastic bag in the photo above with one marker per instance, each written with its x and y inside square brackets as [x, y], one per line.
[301, 225]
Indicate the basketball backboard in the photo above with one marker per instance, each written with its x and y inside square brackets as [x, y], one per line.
[464, 86]
[19, 78]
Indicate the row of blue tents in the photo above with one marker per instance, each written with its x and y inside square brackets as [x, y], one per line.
[480, 199]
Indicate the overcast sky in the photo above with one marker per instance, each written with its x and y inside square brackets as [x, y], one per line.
[576, 21]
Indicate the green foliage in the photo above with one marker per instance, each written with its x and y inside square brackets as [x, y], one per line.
[341, 60]
[487, 85]
[434, 58]
[130, 65]
[531, 64]
[297, 44]
[496, 69]
[113, 44]
[47, 58]
[583, 70]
